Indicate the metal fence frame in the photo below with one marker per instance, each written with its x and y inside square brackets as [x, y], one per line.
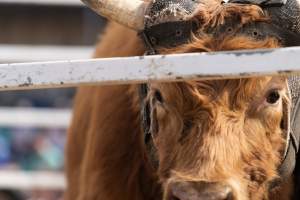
[129, 70]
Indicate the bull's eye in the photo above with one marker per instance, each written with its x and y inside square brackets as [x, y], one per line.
[273, 97]
[158, 96]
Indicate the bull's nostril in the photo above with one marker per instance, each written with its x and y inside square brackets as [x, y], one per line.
[224, 194]
[230, 196]
[201, 190]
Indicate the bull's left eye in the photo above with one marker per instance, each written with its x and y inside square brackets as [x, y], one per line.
[158, 96]
[273, 97]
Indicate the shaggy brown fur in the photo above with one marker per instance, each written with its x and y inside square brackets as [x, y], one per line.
[216, 131]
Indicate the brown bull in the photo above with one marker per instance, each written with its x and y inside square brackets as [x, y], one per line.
[213, 140]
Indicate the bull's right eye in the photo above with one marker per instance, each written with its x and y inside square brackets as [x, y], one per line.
[273, 97]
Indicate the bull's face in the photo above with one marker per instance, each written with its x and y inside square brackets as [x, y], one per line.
[222, 139]
[218, 139]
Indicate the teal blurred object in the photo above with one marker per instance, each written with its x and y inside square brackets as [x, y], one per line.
[31, 148]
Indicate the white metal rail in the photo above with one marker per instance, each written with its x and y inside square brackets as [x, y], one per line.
[20, 180]
[34, 53]
[34, 117]
[44, 2]
[221, 65]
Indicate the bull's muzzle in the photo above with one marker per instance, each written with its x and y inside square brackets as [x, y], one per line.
[194, 190]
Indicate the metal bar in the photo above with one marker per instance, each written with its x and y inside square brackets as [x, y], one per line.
[34, 117]
[21, 180]
[180, 67]
[34, 53]
[44, 2]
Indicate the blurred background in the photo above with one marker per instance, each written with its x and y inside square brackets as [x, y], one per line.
[33, 124]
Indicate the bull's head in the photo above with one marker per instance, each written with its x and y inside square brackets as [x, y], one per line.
[218, 139]
[215, 139]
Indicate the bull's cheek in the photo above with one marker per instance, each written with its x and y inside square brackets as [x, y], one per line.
[169, 125]
[166, 151]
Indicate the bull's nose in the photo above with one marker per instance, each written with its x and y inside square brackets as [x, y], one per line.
[192, 190]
